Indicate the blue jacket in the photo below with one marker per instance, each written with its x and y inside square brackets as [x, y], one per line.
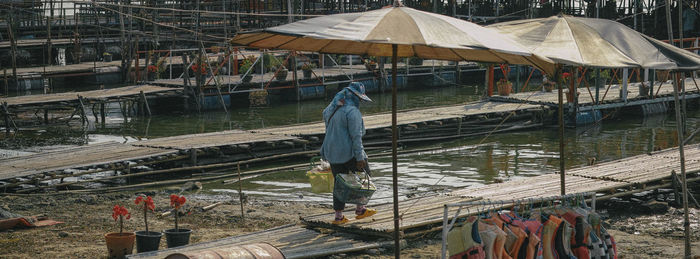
[344, 131]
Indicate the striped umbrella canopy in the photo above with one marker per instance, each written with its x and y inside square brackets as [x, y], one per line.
[416, 34]
[595, 42]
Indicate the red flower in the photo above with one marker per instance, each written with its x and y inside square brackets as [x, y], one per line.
[177, 201]
[566, 75]
[152, 68]
[120, 211]
[148, 202]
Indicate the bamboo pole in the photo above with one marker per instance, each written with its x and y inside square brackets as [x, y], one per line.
[562, 172]
[394, 158]
[240, 190]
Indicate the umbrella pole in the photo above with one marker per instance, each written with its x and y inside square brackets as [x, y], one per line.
[394, 144]
[679, 128]
[558, 75]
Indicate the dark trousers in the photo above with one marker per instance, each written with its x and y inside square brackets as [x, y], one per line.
[343, 168]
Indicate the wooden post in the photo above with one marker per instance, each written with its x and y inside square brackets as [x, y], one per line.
[6, 115]
[295, 77]
[145, 65]
[102, 113]
[562, 171]
[623, 93]
[240, 189]
[46, 116]
[136, 66]
[48, 33]
[597, 86]
[490, 75]
[83, 115]
[126, 62]
[193, 156]
[13, 50]
[145, 103]
[7, 87]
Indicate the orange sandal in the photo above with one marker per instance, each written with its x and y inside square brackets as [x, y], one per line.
[367, 213]
[340, 221]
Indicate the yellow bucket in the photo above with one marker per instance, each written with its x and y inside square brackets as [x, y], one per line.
[321, 181]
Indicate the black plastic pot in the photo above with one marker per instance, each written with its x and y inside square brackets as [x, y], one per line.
[176, 238]
[147, 241]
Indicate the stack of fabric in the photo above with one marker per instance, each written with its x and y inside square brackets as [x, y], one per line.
[571, 233]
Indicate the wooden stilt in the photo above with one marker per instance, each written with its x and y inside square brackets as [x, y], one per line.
[83, 114]
[240, 190]
[102, 112]
[6, 115]
[145, 103]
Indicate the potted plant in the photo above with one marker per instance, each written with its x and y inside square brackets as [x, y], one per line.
[146, 240]
[370, 64]
[122, 243]
[504, 87]
[307, 68]
[245, 66]
[281, 71]
[152, 72]
[177, 236]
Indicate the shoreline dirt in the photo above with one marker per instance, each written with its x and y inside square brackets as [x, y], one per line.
[87, 218]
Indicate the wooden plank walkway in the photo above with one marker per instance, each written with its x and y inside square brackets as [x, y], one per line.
[418, 213]
[293, 241]
[83, 156]
[612, 98]
[356, 71]
[213, 139]
[383, 120]
[642, 169]
[67, 69]
[44, 99]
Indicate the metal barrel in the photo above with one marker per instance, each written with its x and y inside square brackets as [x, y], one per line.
[250, 251]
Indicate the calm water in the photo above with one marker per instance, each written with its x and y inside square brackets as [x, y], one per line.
[464, 162]
[478, 161]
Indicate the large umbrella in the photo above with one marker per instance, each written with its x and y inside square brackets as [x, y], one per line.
[592, 42]
[397, 32]
[604, 43]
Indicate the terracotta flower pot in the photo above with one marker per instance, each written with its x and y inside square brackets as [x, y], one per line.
[505, 89]
[120, 245]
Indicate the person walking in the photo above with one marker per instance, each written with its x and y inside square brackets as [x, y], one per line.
[342, 146]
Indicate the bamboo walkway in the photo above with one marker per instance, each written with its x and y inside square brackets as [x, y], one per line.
[78, 157]
[609, 97]
[417, 214]
[112, 93]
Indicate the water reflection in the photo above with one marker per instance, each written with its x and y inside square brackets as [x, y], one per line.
[503, 157]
